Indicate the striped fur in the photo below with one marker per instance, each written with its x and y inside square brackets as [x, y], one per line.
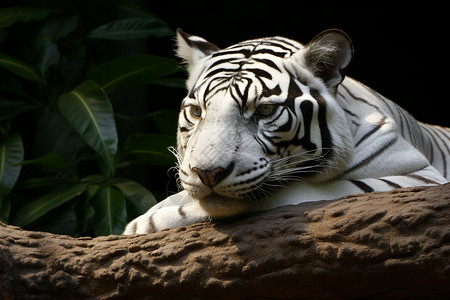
[271, 122]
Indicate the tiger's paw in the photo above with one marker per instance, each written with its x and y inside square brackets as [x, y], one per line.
[162, 217]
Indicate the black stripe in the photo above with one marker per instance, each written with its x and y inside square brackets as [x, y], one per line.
[435, 145]
[307, 109]
[186, 118]
[362, 186]
[439, 131]
[271, 52]
[294, 91]
[217, 82]
[220, 70]
[259, 73]
[268, 62]
[386, 102]
[445, 131]
[286, 127]
[371, 157]
[151, 224]
[276, 91]
[372, 131]
[242, 98]
[327, 142]
[245, 52]
[421, 178]
[181, 212]
[390, 183]
[430, 141]
[350, 113]
[283, 41]
[224, 61]
[265, 148]
[360, 99]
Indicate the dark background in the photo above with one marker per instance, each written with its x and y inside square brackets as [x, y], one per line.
[400, 48]
[401, 51]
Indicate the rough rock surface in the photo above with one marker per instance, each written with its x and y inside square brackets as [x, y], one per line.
[393, 245]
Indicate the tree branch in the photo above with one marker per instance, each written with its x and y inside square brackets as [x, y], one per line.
[389, 245]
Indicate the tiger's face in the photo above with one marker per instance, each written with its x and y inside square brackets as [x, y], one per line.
[258, 114]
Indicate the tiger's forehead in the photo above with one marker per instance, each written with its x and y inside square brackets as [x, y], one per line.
[276, 46]
[245, 69]
[265, 50]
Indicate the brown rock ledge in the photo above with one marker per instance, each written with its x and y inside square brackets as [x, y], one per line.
[393, 245]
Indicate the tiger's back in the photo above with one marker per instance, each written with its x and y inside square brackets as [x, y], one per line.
[370, 114]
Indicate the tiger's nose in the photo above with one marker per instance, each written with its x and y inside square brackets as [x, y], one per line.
[214, 176]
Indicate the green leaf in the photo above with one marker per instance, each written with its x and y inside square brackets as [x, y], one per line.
[151, 148]
[5, 210]
[61, 222]
[18, 67]
[10, 108]
[171, 82]
[90, 113]
[133, 71]
[45, 41]
[126, 29]
[37, 208]
[38, 182]
[139, 10]
[11, 15]
[166, 120]
[110, 212]
[11, 154]
[10, 84]
[51, 159]
[141, 198]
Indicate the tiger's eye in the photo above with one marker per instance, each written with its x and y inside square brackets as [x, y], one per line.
[266, 110]
[196, 111]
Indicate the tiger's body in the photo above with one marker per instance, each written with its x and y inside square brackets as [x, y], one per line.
[270, 122]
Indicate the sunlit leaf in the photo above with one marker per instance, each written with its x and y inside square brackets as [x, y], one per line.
[90, 113]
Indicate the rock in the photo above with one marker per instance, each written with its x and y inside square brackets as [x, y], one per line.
[392, 245]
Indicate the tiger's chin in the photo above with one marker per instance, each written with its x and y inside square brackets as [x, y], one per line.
[220, 206]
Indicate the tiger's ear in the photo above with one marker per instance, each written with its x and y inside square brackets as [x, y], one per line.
[191, 48]
[328, 55]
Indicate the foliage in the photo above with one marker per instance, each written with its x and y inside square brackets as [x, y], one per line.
[60, 153]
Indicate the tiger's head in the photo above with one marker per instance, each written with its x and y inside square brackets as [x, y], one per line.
[258, 114]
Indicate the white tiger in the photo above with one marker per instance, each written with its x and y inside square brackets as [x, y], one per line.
[270, 122]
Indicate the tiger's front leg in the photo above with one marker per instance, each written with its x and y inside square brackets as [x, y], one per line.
[177, 210]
